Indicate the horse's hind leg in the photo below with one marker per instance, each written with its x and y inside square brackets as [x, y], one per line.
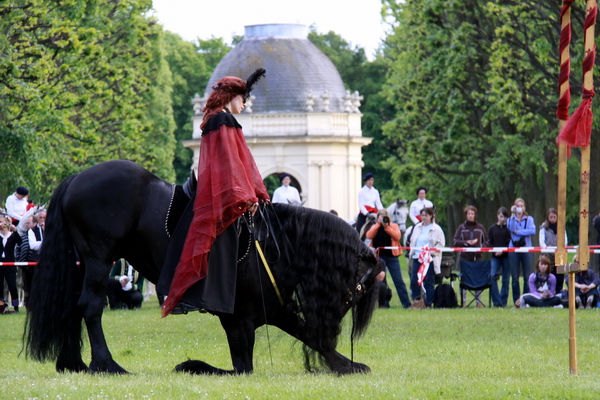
[69, 358]
[91, 303]
[290, 323]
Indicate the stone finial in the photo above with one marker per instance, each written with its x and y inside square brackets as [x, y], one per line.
[356, 99]
[325, 101]
[249, 104]
[310, 101]
[198, 104]
[348, 107]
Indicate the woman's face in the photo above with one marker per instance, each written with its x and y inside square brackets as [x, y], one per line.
[369, 182]
[237, 104]
[422, 194]
[521, 205]
[543, 268]
[552, 218]
[286, 181]
[471, 216]
[426, 218]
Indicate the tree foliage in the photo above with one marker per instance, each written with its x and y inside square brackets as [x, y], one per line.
[81, 83]
[474, 85]
[366, 77]
[191, 66]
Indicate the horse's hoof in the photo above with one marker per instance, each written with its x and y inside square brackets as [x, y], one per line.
[109, 368]
[82, 367]
[354, 368]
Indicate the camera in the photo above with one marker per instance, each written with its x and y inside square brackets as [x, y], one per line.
[386, 220]
[513, 210]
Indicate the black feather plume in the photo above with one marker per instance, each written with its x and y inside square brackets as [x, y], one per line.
[252, 79]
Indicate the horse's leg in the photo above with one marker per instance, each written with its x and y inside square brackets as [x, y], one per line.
[290, 323]
[91, 303]
[69, 358]
[240, 336]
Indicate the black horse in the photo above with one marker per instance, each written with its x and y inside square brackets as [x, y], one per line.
[118, 210]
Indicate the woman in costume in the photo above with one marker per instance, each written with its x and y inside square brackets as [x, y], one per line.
[229, 185]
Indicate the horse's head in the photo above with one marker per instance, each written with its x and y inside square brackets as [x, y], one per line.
[365, 293]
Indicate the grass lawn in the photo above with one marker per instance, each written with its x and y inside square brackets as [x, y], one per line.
[426, 354]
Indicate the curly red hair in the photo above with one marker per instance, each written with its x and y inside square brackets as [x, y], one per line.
[225, 90]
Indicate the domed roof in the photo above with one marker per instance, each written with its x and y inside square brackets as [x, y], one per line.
[300, 78]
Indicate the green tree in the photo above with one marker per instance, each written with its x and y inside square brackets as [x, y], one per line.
[474, 86]
[366, 77]
[80, 83]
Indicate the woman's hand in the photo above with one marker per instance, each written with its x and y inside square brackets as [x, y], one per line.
[252, 207]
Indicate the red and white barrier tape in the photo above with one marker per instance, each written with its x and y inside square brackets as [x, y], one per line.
[569, 249]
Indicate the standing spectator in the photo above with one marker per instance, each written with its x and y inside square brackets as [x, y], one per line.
[470, 234]
[10, 239]
[368, 200]
[419, 204]
[399, 213]
[16, 204]
[31, 244]
[499, 236]
[285, 193]
[385, 233]
[522, 228]
[426, 233]
[542, 286]
[548, 238]
[586, 289]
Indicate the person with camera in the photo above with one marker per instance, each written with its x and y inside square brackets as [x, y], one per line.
[385, 233]
[522, 228]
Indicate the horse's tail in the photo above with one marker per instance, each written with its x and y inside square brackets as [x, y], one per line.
[362, 311]
[53, 322]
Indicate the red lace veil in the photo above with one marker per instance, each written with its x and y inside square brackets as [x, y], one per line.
[228, 179]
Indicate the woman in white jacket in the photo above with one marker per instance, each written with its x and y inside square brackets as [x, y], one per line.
[426, 233]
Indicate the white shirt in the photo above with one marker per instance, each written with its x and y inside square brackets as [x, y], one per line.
[368, 196]
[416, 207]
[287, 195]
[35, 244]
[16, 207]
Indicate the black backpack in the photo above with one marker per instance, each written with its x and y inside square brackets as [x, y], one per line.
[445, 297]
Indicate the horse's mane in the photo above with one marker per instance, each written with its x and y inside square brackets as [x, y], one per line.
[323, 252]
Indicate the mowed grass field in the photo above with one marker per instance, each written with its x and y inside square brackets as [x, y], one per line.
[426, 354]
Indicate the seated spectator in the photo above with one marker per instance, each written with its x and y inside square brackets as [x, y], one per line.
[16, 204]
[9, 240]
[124, 288]
[586, 289]
[385, 233]
[542, 287]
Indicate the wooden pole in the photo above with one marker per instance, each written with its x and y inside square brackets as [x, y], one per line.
[584, 179]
